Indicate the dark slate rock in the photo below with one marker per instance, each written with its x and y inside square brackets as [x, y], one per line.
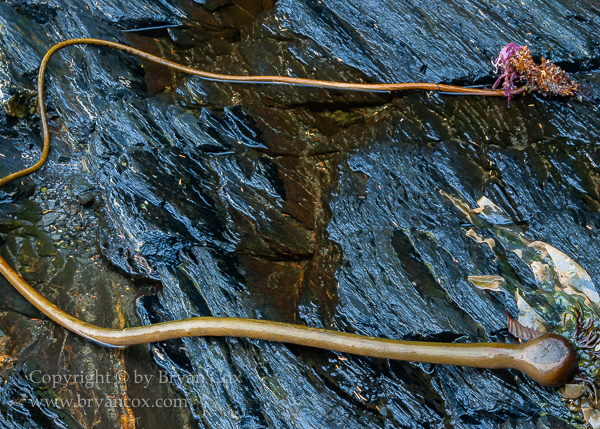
[316, 207]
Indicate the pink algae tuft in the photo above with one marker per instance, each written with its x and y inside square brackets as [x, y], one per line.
[517, 65]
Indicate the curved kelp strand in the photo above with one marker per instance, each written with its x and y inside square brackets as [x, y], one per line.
[276, 80]
[549, 359]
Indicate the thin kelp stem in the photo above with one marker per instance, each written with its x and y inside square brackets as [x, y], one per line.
[276, 80]
[549, 359]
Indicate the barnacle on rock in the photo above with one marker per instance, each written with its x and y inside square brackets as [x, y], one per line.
[586, 337]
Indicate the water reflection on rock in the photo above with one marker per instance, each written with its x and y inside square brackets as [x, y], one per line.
[290, 204]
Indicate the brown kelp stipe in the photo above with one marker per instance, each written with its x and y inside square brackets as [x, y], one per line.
[550, 359]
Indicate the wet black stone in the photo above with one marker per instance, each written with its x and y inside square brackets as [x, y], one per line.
[308, 206]
[18, 102]
[10, 299]
[10, 161]
[22, 405]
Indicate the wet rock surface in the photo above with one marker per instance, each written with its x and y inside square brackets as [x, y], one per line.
[168, 197]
